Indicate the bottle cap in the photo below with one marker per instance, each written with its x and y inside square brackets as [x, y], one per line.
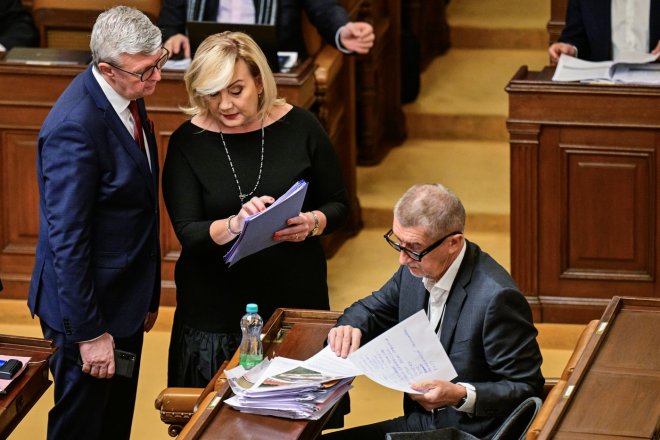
[252, 308]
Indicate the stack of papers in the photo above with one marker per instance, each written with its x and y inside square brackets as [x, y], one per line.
[283, 387]
[630, 68]
[258, 229]
[407, 353]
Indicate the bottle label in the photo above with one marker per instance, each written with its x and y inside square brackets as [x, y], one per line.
[248, 361]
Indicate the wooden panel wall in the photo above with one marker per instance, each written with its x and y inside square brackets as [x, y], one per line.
[584, 194]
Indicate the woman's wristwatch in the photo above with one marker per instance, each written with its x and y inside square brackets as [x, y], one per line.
[315, 230]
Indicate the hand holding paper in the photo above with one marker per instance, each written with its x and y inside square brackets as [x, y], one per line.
[258, 229]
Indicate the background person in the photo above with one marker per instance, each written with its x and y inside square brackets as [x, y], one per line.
[96, 279]
[328, 16]
[242, 149]
[16, 26]
[599, 30]
[484, 323]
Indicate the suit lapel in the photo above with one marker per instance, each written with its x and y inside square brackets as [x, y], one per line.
[117, 126]
[148, 127]
[456, 298]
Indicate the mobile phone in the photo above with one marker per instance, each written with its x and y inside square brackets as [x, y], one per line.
[9, 368]
[124, 363]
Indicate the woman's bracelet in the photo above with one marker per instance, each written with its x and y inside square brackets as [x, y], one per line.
[315, 230]
[229, 225]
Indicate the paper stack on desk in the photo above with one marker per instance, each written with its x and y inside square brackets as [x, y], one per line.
[282, 387]
[258, 229]
[407, 353]
[629, 68]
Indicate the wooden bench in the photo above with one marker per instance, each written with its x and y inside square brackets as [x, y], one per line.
[554, 389]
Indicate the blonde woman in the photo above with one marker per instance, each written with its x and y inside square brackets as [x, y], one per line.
[242, 148]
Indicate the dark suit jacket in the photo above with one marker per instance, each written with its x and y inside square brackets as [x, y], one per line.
[589, 28]
[16, 25]
[326, 15]
[97, 265]
[487, 331]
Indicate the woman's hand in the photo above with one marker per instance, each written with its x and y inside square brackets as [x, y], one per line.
[299, 227]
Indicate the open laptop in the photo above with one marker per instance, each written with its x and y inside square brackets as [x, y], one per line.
[265, 35]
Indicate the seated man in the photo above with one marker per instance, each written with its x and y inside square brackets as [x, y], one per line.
[599, 31]
[16, 26]
[329, 17]
[483, 321]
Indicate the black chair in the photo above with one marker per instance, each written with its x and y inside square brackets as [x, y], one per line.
[514, 427]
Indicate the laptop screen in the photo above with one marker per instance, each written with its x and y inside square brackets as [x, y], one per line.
[264, 35]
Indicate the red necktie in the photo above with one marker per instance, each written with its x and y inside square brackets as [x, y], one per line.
[137, 126]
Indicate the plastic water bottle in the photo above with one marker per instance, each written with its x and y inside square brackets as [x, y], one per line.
[252, 351]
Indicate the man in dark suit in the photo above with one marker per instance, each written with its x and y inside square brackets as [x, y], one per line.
[16, 26]
[484, 323]
[591, 34]
[96, 280]
[328, 16]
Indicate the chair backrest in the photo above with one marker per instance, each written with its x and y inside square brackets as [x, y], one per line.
[67, 24]
[436, 434]
[516, 425]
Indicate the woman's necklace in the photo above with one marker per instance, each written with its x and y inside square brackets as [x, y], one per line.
[231, 164]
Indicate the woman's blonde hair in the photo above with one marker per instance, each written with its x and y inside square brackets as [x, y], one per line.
[213, 66]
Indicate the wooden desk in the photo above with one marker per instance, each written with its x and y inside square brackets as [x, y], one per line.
[584, 194]
[30, 386]
[613, 391]
[293, 333]
[26, 96]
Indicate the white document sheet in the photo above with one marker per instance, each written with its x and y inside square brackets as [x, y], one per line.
[407, 353]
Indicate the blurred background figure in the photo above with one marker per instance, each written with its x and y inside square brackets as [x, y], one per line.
[328, 16]
[16, 26]
[599, 30]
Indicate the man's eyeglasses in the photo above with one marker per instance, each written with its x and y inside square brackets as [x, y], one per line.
[149, 71]
[417, 256]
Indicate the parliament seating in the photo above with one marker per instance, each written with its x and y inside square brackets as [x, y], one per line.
[66, 24]
[554, 389]
[428, 22]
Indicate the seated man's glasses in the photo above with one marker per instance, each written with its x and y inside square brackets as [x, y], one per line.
[393, 241]
[149, 71]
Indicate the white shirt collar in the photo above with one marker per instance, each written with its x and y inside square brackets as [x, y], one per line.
[447, 280]
[118, 102]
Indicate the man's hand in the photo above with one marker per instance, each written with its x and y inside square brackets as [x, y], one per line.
[437, 394]
[344, 340]
[178, 45]
[150, 320]
[657, 49]
[98, 356]
[556, 49]
[357, 36]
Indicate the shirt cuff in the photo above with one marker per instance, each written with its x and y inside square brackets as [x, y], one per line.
[338, 44]
[470, 401]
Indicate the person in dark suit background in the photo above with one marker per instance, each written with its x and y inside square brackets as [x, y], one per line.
[484, 322]
[96, 279]
[328, 16]
[592, 34]
[16, 26]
